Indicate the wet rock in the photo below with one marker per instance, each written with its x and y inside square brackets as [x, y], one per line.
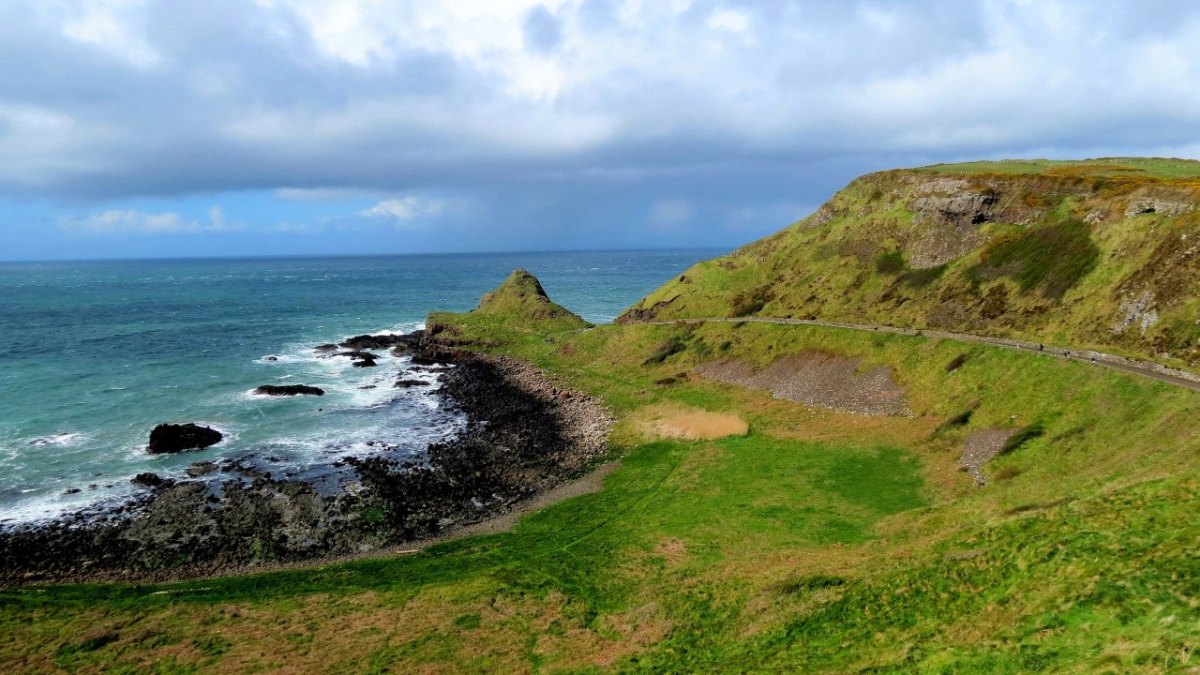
[405, 384]
[270, 358]
[402, 343]
[358, 354]
[170, 438]
[148, 479]
[289, 390]
[326, 348]
[365, 363]
[201, 469]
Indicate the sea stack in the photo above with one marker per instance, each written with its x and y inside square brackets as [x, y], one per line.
[171, 438]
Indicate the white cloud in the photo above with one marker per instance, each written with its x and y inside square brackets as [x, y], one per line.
[714, 104]
[406, 211]
[113, 221]
[728, 19]
[320, 194]
[113, 27]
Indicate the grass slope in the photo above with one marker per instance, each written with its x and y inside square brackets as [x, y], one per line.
[518, 304]
[1101, 254]
[821, 541]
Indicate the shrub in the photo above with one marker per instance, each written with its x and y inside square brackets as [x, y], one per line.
[921, 278]
[1023, 436]
[959, 420]
[813, 583]
[890, 262]
[673, 345]
[1007, 473]
[745, 304]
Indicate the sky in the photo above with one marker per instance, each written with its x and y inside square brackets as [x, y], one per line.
[144, 128]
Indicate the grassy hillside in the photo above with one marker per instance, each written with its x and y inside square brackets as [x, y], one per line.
[519, 304]
[1102, 254]
[820, 540]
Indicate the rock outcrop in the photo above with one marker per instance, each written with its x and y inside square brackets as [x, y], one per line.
[289, 390]
[171, 438]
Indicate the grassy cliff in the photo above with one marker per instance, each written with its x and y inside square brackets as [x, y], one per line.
[1102, 254]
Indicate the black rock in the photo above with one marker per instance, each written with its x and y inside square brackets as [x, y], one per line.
[201, 469]
[326, 348]
[167, 438]
[365, 363]
[405, 384]
[148, 479]
[371, 341]
[357, 354]
[270, 358]
[289, 390]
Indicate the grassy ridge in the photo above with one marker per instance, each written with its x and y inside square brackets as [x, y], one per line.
[818, 532]
[1098, 254]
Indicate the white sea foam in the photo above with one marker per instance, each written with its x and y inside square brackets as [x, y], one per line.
[345, 427]
[65, 439]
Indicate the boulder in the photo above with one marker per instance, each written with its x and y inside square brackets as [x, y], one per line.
[325, 348]
[168, 438]
[148, 479]
[368, 362]
[405, 384]
[289, 390]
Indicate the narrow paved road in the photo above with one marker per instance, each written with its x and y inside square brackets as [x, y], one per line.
[1155, 371]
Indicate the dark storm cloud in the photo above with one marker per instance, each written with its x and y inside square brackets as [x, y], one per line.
[583, 122]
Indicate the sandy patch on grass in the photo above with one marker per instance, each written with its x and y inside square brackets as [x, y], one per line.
[692, 424]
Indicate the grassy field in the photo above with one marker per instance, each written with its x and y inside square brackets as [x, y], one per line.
[820, 540]
[1153, 167]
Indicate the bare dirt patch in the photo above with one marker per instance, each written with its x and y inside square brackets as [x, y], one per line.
[980, 448]
[819, 379]
[692, 424]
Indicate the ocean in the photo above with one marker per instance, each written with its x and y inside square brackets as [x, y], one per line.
[95, 354]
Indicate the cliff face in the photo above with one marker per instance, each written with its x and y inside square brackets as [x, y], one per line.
[1102, 254]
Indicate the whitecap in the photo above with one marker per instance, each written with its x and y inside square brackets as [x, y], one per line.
[65, 439]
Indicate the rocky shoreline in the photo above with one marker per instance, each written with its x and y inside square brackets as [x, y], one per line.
[524, 435]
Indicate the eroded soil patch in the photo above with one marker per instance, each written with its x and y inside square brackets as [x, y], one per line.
[818, 379]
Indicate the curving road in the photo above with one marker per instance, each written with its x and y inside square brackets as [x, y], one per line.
[1154, 371]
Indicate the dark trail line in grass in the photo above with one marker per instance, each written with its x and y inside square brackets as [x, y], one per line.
[1154, 371]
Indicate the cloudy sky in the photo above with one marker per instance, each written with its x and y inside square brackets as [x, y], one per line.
[134, 128]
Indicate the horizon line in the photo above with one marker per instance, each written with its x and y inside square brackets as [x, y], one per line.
[315, 256]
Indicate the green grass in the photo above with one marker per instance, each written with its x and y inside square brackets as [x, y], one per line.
[771, 551]
[1154, 167]
[1052, 258]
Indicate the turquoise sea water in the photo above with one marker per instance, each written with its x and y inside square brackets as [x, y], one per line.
[94, 354]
